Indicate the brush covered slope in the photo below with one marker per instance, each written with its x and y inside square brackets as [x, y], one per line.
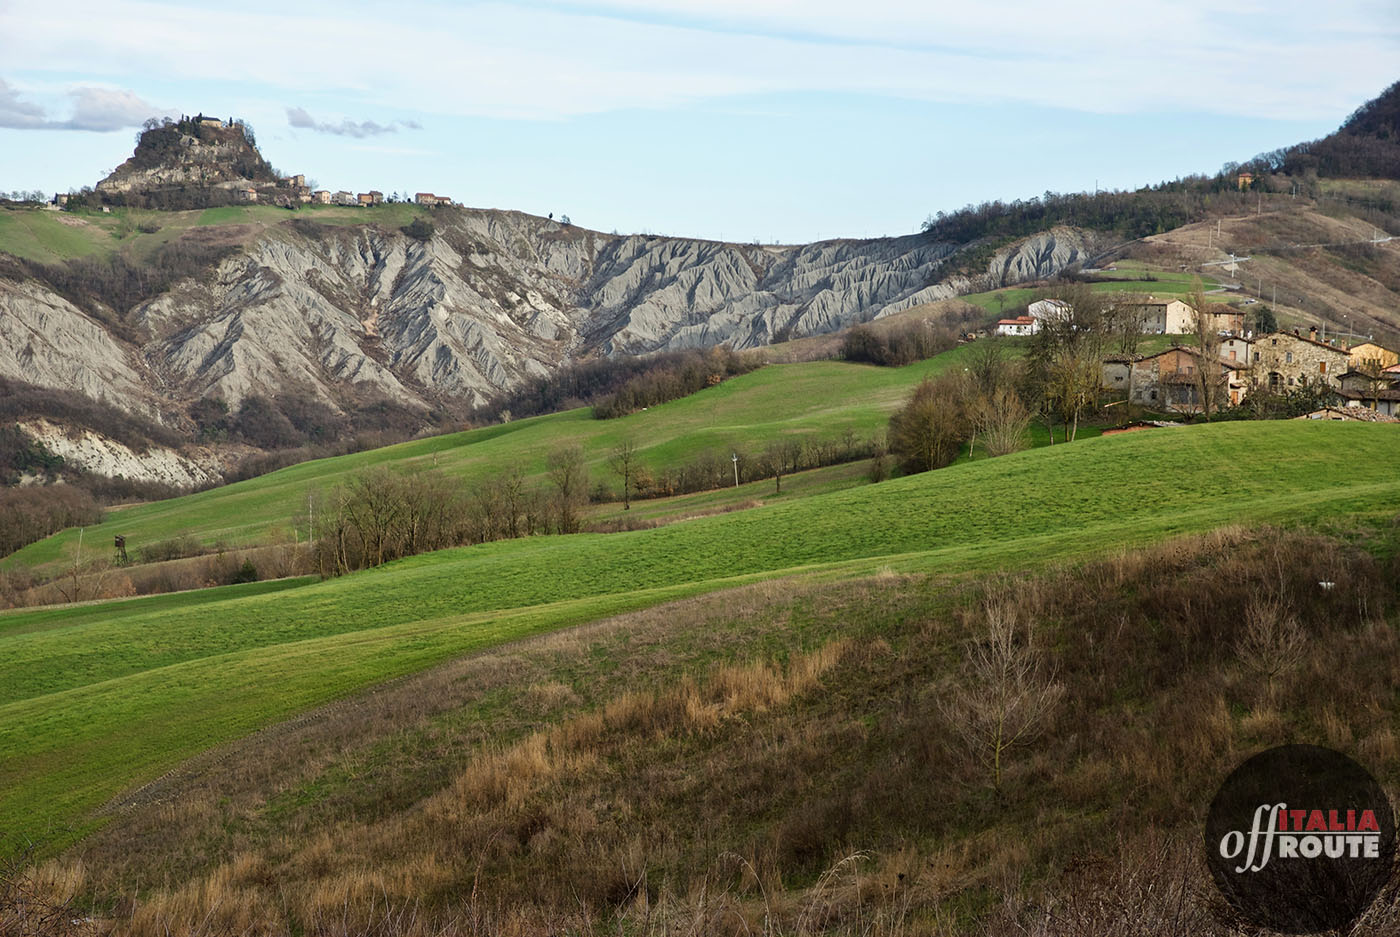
[108, 695]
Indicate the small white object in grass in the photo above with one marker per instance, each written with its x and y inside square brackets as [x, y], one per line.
[1326, 585]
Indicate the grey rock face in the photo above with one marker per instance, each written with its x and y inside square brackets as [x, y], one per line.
[490, 300]
[46, 340]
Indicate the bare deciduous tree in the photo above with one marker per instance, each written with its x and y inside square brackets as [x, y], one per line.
[1007, 692]
[1073, 379]
[566, 472]
[82, 580]
[623, 462]
[784, 457]
[1005, 420]
[1272, 643]
[1207, 337]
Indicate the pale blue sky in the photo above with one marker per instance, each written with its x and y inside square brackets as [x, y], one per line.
[740, 119]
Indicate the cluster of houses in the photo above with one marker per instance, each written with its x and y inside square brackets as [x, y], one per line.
[1154, 317]
[294, 188]
[1365, 376]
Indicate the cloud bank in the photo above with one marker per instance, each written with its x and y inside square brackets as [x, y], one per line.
[99, 110]
[554, 59]
[299, 118]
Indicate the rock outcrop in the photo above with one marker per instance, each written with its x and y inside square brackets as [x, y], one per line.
[99, 455]
[194, 152]
[46, 340]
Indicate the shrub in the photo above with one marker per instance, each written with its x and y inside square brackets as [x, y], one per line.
[927, 432]
[896, 345]
[420, 229]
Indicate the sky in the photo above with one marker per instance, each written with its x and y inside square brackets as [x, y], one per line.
[743, 120]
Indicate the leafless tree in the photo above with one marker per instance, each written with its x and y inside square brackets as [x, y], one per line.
[82, 580]
[566, 472]
[1005, 420]
[1065, 371]
[1007, 692]
[784, 458]
[1123, 317]
[1272, 643]
[1373, 370]
[513, 498]
[1073, 379]
[1207, 337]
[623, 462]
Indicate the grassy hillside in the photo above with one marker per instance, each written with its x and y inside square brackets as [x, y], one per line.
[821, 399]
[114, 694]
[53, 237]
[1130, 277]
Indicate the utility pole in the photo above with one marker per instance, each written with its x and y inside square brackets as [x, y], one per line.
[735, 458]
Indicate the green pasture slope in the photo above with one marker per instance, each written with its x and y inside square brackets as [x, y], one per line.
[821, 399]
[96, 699]
[1128, 278]
[53, 237]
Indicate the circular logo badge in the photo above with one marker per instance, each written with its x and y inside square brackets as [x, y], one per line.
[1300, 839]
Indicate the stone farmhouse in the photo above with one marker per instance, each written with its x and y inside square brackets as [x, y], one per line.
[1277, 362]
[1223, 318]
[1170, 379]
[1284, 360]
[1165, 317]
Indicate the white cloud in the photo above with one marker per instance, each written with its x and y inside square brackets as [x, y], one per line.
[95, 109]
[16, 113]
[299, 118]
[559, 58]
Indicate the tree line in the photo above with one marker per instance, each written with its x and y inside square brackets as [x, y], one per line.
[680, 374]
[381, 515]
[619, 385]
[1149, 210]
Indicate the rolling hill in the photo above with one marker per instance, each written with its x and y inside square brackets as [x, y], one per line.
[109, 695]
[820, 399]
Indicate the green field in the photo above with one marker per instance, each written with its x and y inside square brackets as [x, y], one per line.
[53, 237]
[821, 399]
[1128, 277]
[99, 698]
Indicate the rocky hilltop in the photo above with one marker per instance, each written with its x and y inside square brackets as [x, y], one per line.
[490, 299]
[194, 152]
